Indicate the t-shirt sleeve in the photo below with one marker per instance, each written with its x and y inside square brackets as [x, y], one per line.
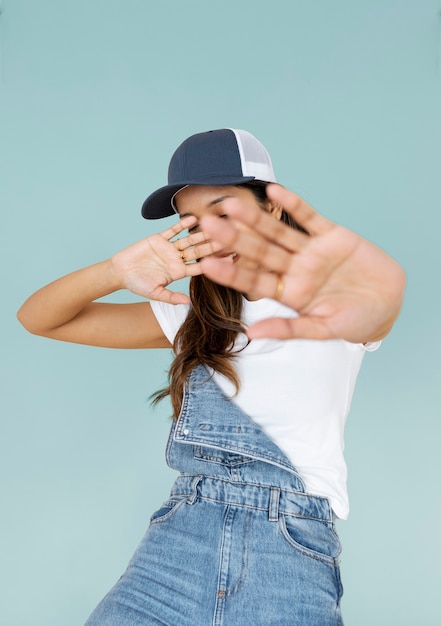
[170, 317]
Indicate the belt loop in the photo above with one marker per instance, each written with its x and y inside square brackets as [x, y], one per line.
[274, 504]
[194, 486]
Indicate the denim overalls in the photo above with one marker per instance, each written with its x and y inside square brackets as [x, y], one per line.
[238, 542]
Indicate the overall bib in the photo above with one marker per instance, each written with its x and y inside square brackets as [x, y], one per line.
[238, 542]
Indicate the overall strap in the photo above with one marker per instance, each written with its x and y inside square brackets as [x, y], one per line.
[211, 419]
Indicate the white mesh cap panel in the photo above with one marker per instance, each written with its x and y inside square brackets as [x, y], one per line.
[254, 157]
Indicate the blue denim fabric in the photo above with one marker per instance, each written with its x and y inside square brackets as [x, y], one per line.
[238, 542]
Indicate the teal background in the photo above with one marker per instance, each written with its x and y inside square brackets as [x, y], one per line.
[95, 96]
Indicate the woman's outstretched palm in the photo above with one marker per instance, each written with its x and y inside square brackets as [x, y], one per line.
[341, 285]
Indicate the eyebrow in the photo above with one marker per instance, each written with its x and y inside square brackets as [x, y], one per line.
[217, 200]
[212, 203]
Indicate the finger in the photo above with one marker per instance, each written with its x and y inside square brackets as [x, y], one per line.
[302, 327]
[189, 240]
[300, 210]
[171, 297]
[206, 249]
[251, 282]
[192, 248]
[193, 269]
[263, 223]
[186, 222]
[250, 245]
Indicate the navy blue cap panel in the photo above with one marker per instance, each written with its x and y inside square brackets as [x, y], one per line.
[213, 153]
[216, 157]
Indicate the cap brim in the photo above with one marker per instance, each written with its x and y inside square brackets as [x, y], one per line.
[158, 204]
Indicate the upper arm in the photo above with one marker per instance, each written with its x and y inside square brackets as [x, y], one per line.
[113, 326]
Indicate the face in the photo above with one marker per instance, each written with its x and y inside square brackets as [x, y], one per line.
[204, 200]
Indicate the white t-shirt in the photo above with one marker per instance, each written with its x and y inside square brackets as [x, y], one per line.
[298, 391]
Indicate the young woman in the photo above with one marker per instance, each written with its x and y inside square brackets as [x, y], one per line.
[247, 535]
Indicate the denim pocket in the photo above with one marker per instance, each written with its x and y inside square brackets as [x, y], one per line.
[167, 509]
[312, 538]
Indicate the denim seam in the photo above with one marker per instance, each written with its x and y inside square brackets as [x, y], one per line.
[220, 594]
[244, 560]
[339, 581]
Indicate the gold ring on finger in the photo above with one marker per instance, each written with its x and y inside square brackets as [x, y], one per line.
[183, 256]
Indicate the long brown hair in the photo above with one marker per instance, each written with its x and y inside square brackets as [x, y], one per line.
[213, 322]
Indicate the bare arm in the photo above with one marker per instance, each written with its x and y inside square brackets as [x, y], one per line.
[67, 310]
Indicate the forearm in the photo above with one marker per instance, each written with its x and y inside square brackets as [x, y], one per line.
[62, 300]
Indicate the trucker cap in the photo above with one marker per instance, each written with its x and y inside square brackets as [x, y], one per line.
[217, 157]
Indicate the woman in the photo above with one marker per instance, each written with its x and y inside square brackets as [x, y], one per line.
[247, 534]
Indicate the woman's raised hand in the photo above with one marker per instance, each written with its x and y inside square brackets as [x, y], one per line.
[341, 285]
[68, 309]
[148, 266]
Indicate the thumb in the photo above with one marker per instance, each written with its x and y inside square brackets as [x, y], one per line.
[170, 297]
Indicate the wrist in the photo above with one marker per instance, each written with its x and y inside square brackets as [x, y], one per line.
[116, 271]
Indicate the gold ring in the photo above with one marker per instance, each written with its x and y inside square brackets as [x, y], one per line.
[183, 256]
[279, 288]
